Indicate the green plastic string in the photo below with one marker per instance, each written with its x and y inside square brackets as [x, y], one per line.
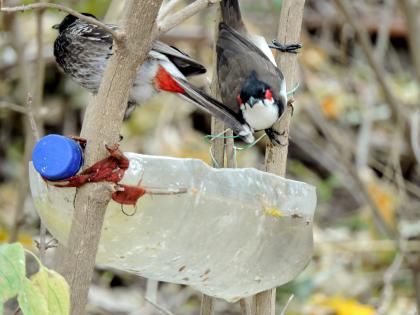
[250, 145]
[293, 91]
[209, 138]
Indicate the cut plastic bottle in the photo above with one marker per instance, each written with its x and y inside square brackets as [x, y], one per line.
[234, 233]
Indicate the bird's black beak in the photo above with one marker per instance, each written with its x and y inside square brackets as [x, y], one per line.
[56, 26]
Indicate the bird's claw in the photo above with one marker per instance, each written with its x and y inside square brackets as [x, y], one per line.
[275, 136]
[289, 48]
[290, 104]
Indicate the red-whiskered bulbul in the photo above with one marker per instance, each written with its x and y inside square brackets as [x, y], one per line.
[82, 50]
[250, 83]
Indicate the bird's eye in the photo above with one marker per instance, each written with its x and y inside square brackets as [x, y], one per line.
[268, 95]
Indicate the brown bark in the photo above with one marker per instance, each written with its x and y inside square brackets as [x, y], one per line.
[276, 155]
[101, 126]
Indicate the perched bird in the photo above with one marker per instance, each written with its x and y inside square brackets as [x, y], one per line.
[83, 49]
[250, 83]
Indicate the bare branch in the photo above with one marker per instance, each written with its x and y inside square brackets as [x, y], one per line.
[14, 107]
[386, 296]
[117, 35]
[39, 94]
[158, 307]
[410, 10]
[217, 150]
[167, 8]
[415, 124]
[383, 33]
[283, 312]
[180, 16]
[290, 25]
[31, 117]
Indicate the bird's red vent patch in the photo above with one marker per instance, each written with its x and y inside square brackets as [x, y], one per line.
[165, 82]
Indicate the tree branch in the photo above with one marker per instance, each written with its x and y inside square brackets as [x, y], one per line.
[217, 149]
[276, 156]
[182, 15]
[14, 107]
[117, 35]
[102, 123]
[167, 8]
[158, 307]
[410, 10]
[415, 143]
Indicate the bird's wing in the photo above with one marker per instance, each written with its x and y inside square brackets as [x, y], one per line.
[217, 109]
[187, 65]
[237, 58]
[184, 63]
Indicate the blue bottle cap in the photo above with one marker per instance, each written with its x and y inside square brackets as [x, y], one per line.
[57, 157]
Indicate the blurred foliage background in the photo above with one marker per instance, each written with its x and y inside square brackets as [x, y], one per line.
[346, 138]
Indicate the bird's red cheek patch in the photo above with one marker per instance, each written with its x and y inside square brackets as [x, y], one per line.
[239, 100]
[268, 95]
[165, 82]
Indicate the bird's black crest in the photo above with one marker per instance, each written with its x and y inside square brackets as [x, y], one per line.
[69, 20]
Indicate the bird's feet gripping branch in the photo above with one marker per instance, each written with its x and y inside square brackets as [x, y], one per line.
[277, 137]
[287, 48]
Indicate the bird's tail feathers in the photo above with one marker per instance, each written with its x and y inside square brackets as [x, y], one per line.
[231, 14]
[217, 109]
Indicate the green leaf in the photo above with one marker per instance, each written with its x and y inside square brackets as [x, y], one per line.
[31, 300]
[55, 290]
[12, 270]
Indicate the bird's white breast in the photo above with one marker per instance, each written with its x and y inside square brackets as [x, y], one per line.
[260, 116]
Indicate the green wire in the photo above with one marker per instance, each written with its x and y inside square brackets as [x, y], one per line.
[293, 91]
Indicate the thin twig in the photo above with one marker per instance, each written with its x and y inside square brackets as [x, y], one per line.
[365, 131]
[158, 307]
[117, 35]
[167, 8]
[410, 11]
[416, 282]
[182, 15]
[383, 33]
[415, 143]
[283, 312]
[217, 150]
[14, 107]
[18, 45]
[36, 126]
[31, 118]
[387, 291]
